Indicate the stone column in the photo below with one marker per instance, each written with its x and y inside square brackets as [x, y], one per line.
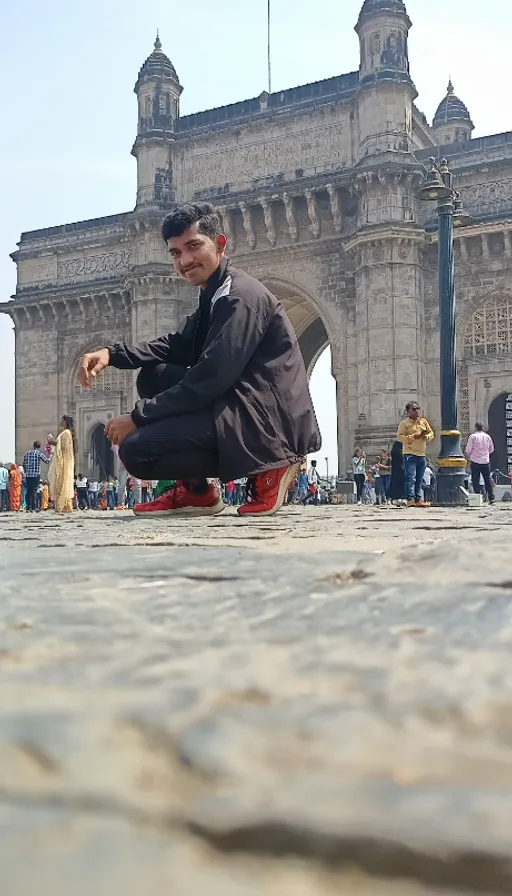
[389, 331]
[342, 412]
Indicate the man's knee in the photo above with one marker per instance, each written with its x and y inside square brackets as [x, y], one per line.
[128, 454]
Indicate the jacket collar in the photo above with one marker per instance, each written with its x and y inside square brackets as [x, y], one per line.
[214, 281]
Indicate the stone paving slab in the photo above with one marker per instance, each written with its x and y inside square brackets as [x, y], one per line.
[316, 703]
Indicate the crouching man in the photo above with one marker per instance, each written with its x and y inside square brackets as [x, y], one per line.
[226, 396]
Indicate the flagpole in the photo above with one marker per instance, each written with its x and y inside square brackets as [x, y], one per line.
[268, 49]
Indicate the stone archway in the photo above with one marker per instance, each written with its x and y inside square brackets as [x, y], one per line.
[309, 324]
[102, 455]
[314, 331]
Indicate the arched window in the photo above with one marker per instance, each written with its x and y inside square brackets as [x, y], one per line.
[489, 332]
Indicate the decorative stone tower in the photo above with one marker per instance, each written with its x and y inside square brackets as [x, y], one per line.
[158, 92]
[386, 249]
[452, 121]
[386, 92]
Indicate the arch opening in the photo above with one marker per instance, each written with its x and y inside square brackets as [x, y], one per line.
[500, 428]
[102, 455]
[315, 345]
[323, 392]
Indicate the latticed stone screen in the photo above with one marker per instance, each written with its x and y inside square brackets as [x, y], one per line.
[109, 380]
[462, 379]
[489, 332]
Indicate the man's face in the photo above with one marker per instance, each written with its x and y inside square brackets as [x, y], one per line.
[196, 256]
[414, 412]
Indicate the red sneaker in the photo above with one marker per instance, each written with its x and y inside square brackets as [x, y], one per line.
[267, 491]
[179, 501]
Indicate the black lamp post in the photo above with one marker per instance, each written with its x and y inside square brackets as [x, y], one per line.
[451, 462]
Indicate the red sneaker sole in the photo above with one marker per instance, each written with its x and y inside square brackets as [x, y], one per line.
[281, 495]
[184, 511]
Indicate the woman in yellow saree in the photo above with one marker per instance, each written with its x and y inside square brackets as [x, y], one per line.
[62, 468]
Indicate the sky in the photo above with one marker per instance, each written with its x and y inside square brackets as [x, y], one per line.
[67, 72]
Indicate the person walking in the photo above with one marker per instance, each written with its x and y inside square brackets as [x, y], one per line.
[313, 495]
[223, 398]
[111, 493]
[359, 471]
[93, 491]
[32, 466]
[4, 489]
[414, 433]
[479, 448]
[82, 492]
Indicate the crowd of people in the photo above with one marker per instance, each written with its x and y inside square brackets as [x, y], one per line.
[401, 476]
[224, 399]
[405, 476]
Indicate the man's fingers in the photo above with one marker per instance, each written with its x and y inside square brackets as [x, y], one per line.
[83, 372]
[98, 367]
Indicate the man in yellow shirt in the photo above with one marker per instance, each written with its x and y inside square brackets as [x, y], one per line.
[414, 433]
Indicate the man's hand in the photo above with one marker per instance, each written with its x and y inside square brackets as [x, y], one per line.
[91, 364]
[119, 428]
[420, 435]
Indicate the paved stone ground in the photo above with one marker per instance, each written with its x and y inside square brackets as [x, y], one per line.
[311, 705]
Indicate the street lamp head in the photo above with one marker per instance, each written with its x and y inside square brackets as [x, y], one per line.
[434, 187]
[461, 218]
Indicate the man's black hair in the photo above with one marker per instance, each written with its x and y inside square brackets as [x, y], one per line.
[479, 427]
[37, 444]
[184, 216]
[410, 405]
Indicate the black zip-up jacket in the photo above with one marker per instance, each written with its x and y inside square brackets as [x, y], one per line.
[244, 363]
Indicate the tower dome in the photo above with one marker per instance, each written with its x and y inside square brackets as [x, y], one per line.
[372, 8]
[157, 67]
[452, 121]
[158, 92]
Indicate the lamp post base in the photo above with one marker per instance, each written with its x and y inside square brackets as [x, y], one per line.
[451, 470]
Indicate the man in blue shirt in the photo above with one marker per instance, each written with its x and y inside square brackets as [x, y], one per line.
[32, 466]
[4, 483]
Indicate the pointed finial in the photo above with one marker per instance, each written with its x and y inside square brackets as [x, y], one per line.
[158, 42]
[450, 86]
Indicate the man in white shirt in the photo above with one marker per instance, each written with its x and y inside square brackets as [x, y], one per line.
[313, 484]
[479, 448]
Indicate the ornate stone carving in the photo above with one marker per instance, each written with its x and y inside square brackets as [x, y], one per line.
[248, 224]
[93, 265]
[225, 214]
[334, 197]
[269, 220]
[464, 255]
[475, 247]
[291, 220]
[488, 198]
[404, 249]
[313, 213]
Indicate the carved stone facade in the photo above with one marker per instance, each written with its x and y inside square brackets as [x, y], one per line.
[317, 190]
